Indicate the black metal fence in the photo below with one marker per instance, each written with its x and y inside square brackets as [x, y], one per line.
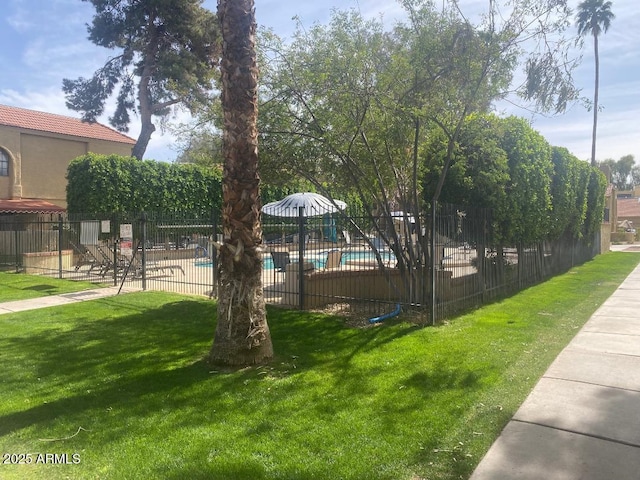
[385, 263]
[375, 265]
[138, 250]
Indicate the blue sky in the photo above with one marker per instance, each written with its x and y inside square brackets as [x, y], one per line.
[45, 41]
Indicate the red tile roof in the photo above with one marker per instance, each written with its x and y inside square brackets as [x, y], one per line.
[49, 122]
[628, 207]
[28, 205]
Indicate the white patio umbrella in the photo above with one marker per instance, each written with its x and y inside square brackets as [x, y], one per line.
[399, 216]
[314, 204]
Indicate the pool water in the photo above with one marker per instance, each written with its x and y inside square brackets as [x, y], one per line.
[318, 259]
[356, 256]
[267, 263]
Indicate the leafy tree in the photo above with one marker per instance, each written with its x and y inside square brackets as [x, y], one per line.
[594, 18]
[597, 185]
[242, 334]
[479, 172]
[200, 139]
[356, 101]
[635, 175]
[621, 171]
[332, 115]
[351, 105]
[202, 147]
[625, 167]
[168, 54]
[536, 192]
[530, 171]
[569, 187]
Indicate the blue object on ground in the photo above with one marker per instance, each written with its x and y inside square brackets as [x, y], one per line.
[386, 316]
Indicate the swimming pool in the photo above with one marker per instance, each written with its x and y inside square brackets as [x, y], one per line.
[267, 261]
[354, 257]
[318, 258]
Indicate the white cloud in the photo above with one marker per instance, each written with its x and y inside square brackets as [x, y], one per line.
[47, 42]
[49, 100]
[616, 133]
[20, 21]
[51, 62]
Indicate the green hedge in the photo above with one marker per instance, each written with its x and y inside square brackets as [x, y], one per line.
[116, 184]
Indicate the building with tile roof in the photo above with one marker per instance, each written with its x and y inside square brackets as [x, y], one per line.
[629, 210]
[35, 151]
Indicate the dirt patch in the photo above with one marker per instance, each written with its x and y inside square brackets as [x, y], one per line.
[357, 315]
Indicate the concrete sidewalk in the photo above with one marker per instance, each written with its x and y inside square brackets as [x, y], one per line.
[54, 300]
[582, 419]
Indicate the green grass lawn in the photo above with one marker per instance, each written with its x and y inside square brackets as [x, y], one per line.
[17, 286]
[121, 383]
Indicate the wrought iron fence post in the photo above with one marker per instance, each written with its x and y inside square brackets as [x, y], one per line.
[301, 256]
[59, 246]
[15, 237]
[213, 254]
[116, 232]
[432, 262]
[143, 221]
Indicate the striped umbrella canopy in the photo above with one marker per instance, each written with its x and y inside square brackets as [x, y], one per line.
[314, 204]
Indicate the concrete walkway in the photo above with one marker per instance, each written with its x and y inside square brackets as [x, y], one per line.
[582, 419]
[53, 300]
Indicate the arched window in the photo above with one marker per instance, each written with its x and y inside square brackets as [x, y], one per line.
[4, 164]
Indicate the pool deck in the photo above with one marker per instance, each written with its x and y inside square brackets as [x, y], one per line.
[193, 276]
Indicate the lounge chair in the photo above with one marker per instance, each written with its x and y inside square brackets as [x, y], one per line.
[201, 252]
[280, 262]
[104, 261]
[84, 257]
[334, 258]
[135, 267]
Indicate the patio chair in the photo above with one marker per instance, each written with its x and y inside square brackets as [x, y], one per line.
[103, 260]
[135, 267]
[84, 257]
[280, 262]
[334, 258]
[201, 252]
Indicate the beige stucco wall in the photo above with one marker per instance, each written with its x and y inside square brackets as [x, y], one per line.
[45, 177]
[10, 144]
[605, 238]
[39, 161]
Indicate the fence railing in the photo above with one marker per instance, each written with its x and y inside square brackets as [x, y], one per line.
[373, 264]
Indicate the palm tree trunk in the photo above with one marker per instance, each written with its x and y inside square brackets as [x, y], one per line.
[242, 334]
[595, 102]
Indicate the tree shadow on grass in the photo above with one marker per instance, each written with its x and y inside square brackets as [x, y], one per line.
[11, 291]
[94, 339]
[50, 289]
[127, 392]
[117, 368]
[325, 338]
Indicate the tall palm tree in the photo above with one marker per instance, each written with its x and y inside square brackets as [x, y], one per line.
[242, 334]
[594, 17]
